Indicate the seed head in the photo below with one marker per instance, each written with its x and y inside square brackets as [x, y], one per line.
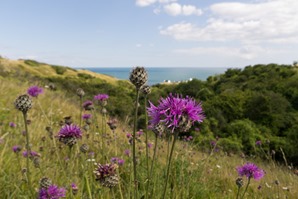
[138, 77]
[23, 103]
[84, 148]
[239, 182]
[146, 90]
[45, 182]
[80, 92]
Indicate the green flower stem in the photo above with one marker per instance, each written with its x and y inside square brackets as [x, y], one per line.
[238, 192]
[169, 164]
[119, 184]
[152, 164]
[81, 111]
[134, 146]
[28, 152]
[147, 149]
[246, 187]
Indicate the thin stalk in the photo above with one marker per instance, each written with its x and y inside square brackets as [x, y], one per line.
[147, 148]
[119, 186]
[246, 187]
[238, 192]
[28, 151]
[134, 146]
[88, 187]
[81, 110]
[169, 164]
[49, 122]
[152, 164]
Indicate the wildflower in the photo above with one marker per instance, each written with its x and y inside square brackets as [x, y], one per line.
[120, 162]
[127, 152]
[239, 182]
[250, 170]
[176, 113]
[84, 148]
[23, 103]
[128, 135]
[258, 143]
[86, 116]
[146, 90]
[112, 123]
[139, 133]
[16, 148]
[52, 192]
[34, 91]
[138, 77]
[101, 97]
[149, 145]
[45, 182]
[32, 154]
[80, 92]
[69, 134]
[88, 105]
[114, 159]
[106, 174]
[12, 125]
[213, 143]
[74, 188]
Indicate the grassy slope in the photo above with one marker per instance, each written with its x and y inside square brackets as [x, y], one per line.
[197, 173]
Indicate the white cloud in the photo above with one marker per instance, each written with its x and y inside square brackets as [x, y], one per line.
[175, 9]
[249, 23]
[144, 3]
[191, 10]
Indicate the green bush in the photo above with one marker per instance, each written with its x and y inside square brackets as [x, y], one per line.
[60, 70]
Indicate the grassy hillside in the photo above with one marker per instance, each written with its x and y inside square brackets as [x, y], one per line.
[195, 174]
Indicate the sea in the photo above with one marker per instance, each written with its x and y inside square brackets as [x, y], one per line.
[158, 75]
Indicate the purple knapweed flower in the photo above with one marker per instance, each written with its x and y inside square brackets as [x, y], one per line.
[106, 174]
[128, 135]
[149, 145]
[213, 143]
[32, 154]
[70, 131]
[120, 162]
[127, 152]
[177, 113]
[52, 192]
[250, 170]
[88, 105]
[17, 149]
[34, 91]
[101, 97]
[86, 116]
[140, 133]
[258, 143]
[114, 159]
[12, 125]
[74, 188]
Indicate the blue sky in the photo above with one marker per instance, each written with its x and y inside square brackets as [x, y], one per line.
[150, 33]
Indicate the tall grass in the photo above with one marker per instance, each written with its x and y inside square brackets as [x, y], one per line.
[194, 174]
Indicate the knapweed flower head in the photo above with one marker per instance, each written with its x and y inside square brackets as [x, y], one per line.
[140, 133]
[52, 192]
[106, 174]
[68, 134]
[213, 143]
[88, 105]
[16, 148]
[32, 154]
[250, 170]
[86, 116]
[101, 97]
[12, 125]
[138, 76]
[177, 113]
[74, 188]
[127, 152]
[258, 143]
[34, 91]
[112, 123]
[23, 103]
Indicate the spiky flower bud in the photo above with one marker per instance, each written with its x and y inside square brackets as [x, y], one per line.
[23, 103]
[106, 174]
[69, 141]
[158, 129]
[36, 161]
[80, 92]
[45, 182]
[84, 148]
[68, 120]
[138, 76]
[146, 90]
[239, 182]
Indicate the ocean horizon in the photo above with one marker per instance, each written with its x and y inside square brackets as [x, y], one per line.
[158, 75]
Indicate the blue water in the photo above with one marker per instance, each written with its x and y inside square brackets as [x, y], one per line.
[159, 75]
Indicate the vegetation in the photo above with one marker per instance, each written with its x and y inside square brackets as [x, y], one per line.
[257, 103]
